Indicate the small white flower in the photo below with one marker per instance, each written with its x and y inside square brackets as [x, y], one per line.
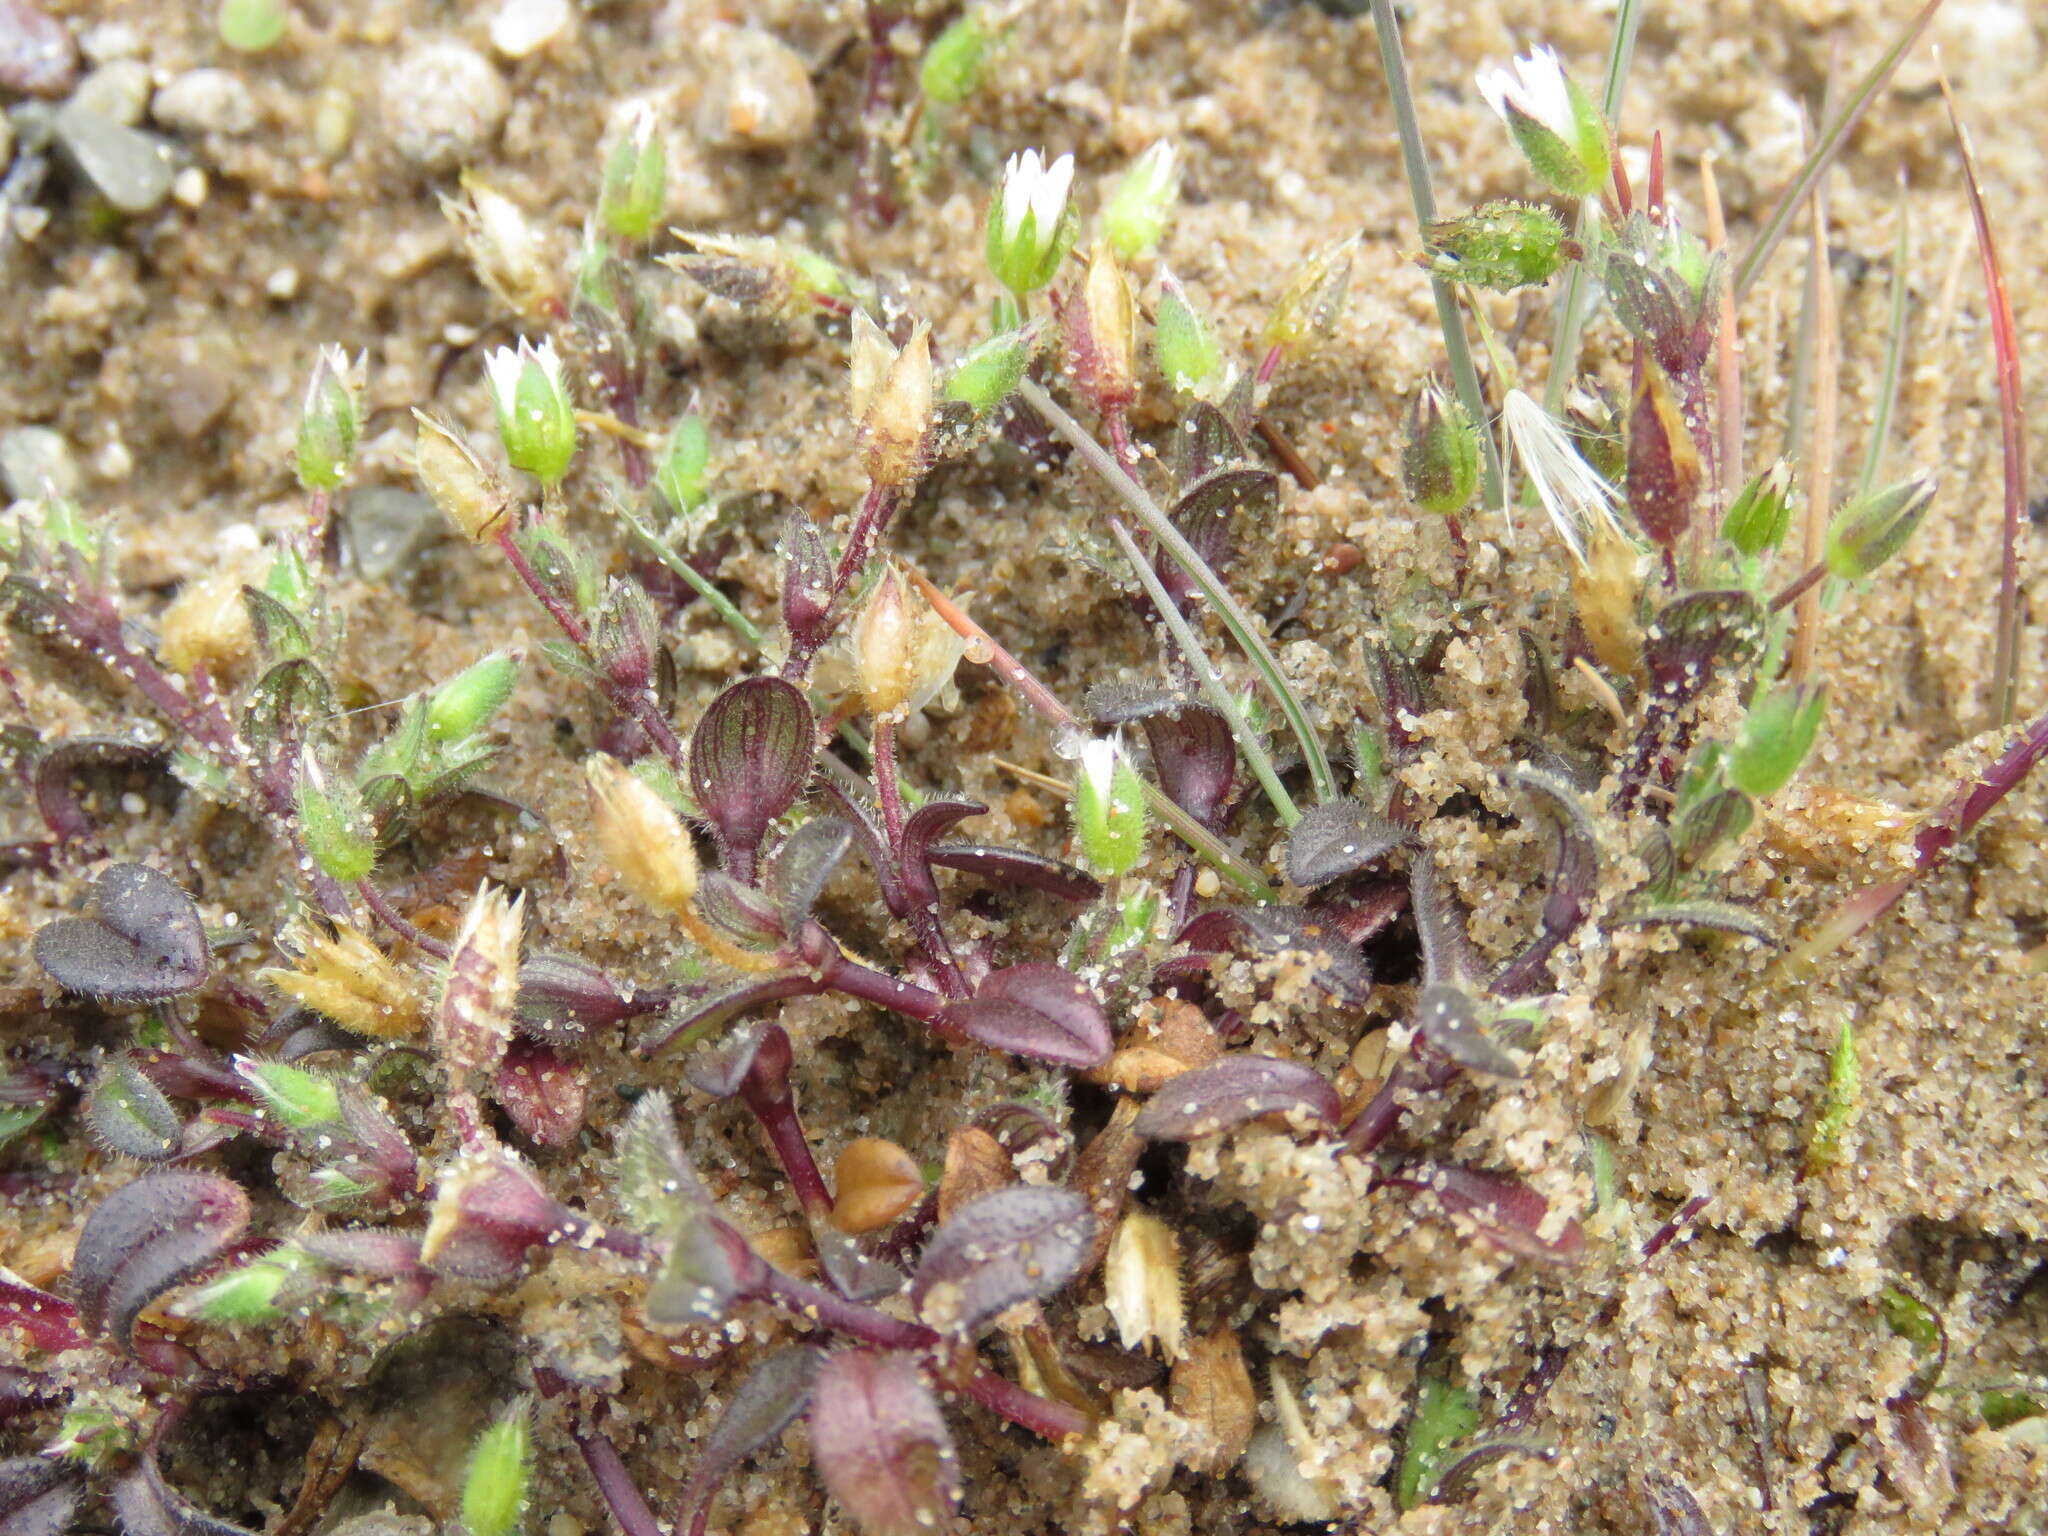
[1030, 185]
[1570, 489]
[1536, 89]
[1098, 766]
[504, 366]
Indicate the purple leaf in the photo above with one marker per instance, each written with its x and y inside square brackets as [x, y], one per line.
[140, 940]
[1233, 1089]
[803, 865]
[38, 1497]
[806, 583]
[1015, 866]
[767, 1403]
[1019, 1244]
[1196, 757]
[722, 1068]
[924, 826]
[1399, 689]
[1022, 1129]
[1447, 955]
[852, 1273]
[1507, 1212]
[741, 911]
[1036, 1010]
[489, 1215]
[880, 1444]
[49, 1321]
[55, 802]
[1695, 635]
[749, 760]
[1574, 881]
[1673, 1509]
[145, 1505]
[1455, 1481]
[381, 1252]
[1275, 933]
[1338, 838]
[1204, 441]
[724, 1000]
[1123, 703]
[562, 997]
[1203, 515]
[146, 1237]
[543, 1091]
[130, 1115]
[707, 1268]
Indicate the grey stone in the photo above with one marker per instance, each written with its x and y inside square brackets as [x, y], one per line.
[129, 168]
[206, 101]
[388, 529]
[35, 461]
[37, 55]
[443, 103]
[117, 91]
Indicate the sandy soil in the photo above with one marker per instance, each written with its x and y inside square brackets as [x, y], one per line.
[170, 349]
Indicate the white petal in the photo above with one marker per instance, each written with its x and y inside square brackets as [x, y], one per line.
[1049, 200]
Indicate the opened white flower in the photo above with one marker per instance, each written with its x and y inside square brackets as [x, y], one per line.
[1029, 229]
[1554, 122]
[1571, 490]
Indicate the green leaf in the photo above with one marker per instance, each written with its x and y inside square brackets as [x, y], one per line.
[1444, 1414]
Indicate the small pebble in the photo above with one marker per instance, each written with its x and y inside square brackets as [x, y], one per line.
[37, 55]
[188, 187]
[443, 104]
[387, 529]
[206, 101]
[35, 461]
[118, 91]
[334, 121]
[282, 284]
[523, 27]
[130, 169]
[759, 94]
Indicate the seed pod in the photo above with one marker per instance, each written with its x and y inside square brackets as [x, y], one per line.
[467, 493]
[1211, 1387]
[1142, 1285]
[640, 837]
[346, 977]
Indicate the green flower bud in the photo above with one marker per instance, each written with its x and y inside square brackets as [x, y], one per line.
[635, 181]
[950, 71]
[1776, 736]
[1030, 225]
[1838, 1105]
[988, 374]
[252, 26]
[332, 825]
[289, 581]
[536, 418]
[1762, 513]
[1134, 218]
[501, 1465]
[1109, 810]
[680, 475]
[1874, 527]
[330, 420]
[298, 1099]
[64, 525]
[1502, 246]
[1313, 300]
[1558, 128]
[1188, 355]
[1440, 460]
[458, 708]
[249, 1294]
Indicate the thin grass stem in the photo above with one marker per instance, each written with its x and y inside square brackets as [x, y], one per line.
[1894, 352]
[698, 582]
[1820, 461]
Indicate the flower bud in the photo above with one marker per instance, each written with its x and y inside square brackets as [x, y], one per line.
[473, 1019]
[1664, 471]
[1838, 1104]
[1030, 225]
[250, 1293]
[489, 1213]
[289, 581]
[1776, 735]
[330, 420]
[66, 527]
[207, 625]
[494, 1489]
[347, 978]
[635, 180]
[467, 493]
[297, 1099]
[1874, 527]
[680, 475]
[536, 418]
[1440, 460]
[461, 707]
[332, 824]
[893, 401]
[1187, 354]
[627, 639]
[1102, 333]
[950, 70]
[1559, 130]
[903, 651]
[989, 373]
[640, 837]
[1109, 810]
[502, 247]
[1761, 515]
[1134, 218]
[1313, 300]
[1502, 246]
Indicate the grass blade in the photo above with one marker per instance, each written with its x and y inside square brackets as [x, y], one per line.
[2013, 434]
[1415, 163]
[1820, 458]
[1825, 150]
[1894, 351]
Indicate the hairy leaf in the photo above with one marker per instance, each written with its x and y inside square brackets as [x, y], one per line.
[1036, 1010]
[1019, 1244]
[721, 1001]
[38, 1497]
[800, 869]
[1338, 838]
[543, 1091]
[1673, 1509]
[1449, 1019]
[745, 913]
[146, 1237]
[1196, 759]
[1233, 1089]
[722, 1068]
[1277, 933]
[766, 1403]
[139, 941]
[880, 1444]
[49, 1321]
[657, 1184]
[924, 826]
[1504, 1210]
[1017, 866]
[131, 1116]
[55, 802]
